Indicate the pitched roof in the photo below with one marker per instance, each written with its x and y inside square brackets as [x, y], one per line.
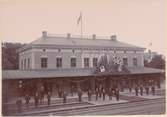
[52, 40]
[68, 72]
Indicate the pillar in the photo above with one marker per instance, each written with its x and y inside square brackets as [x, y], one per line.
[159, 83]
[78, 86]
[92, 85]
[121, 84]
[5, 91]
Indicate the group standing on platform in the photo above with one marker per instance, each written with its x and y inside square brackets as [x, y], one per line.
[147, 90]
[99, 92]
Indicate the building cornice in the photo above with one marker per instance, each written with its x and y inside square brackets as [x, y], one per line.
[105, 48]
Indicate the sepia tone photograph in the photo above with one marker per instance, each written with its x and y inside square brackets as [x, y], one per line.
[83, 57]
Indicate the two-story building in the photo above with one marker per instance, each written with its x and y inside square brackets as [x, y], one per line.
[66, 62]
[53, 52]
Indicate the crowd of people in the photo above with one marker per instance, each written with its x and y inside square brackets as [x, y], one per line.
[141, 90]
[37, 97]
[99, 92]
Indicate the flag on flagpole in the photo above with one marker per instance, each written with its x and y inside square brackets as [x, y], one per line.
[150, 44]
[79, 19]
[102, 69]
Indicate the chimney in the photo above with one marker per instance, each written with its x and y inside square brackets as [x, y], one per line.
[113, 37]
[44, 34]
[94, 36]
[68, 35]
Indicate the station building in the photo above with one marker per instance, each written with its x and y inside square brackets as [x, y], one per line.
[66, 62]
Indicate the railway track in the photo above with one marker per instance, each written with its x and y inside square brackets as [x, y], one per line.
[86, 110]
[117, 108]
[74, 107]
[157, 107]
[12, 108]
[53, 106]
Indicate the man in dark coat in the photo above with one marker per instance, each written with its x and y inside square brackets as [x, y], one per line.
[89, 94]
[117, 94]
[27, 99]
[153, 90]
[110, 94]
[49, 97]
[113, 92]
[80, 95]
[104, 94]
[36, 99]
[147, 90]
[141, 90]
[96, 92]
[72, 90]
[100, 92]
[19, 105]
[136, 90]
[130, 89]
[64, 97]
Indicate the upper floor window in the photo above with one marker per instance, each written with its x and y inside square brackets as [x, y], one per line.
[59, 50]
[44, 50]
[44, 62]
[73, 62]
[134, 61]
[86, 62]
[28, 63]
[125, 61]
[24, 63]
[95, 60]
[59, 62]
[73, 51]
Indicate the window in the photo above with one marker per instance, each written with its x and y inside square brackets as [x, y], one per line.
[28, 64]
[73, 51]
[125, 61]
[73, 62]
[59, 50]
[86, 62]
[24, 63]
[59, 62]
[44, 50]
[21, 64]
[134, 61]
[95, 62]
[44, 62]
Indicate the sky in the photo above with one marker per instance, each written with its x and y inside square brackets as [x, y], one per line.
[138, 22]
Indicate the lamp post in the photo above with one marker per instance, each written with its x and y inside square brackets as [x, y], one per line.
[20, 87]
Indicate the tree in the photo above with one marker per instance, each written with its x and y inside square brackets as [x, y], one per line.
[10, 56]
[156, 62]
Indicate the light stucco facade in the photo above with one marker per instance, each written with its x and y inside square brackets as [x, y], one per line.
[30, 58]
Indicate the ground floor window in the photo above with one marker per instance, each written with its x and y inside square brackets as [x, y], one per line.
[73, 62]
[28, 64]
[86, 62]
[59, 62]
[95, 60]
[125, 61]
[24, 63]
[134, 61]
[44, 62]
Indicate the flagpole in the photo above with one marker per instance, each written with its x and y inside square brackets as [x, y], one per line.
[149, 51]
[81, 27]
